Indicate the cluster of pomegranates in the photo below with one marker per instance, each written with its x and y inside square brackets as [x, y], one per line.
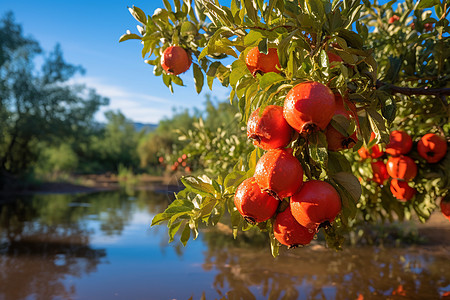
[308, 107]
[181, 163]
[399, 166]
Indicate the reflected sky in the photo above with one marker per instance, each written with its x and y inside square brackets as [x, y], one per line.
[101, 246]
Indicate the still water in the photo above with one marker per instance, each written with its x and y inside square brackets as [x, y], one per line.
[101, 246]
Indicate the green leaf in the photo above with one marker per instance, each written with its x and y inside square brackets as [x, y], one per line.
[129, 36]
[350, 183]
[263, 46]
[233, 179]
[185, 235]
[251, 11]
[269, 79]
[422, 4]
[174, 227]
[198, 186]
[274, 244]
[198, 78]
[318, 147]
[252, 38]
[167, 5]
[138, 14]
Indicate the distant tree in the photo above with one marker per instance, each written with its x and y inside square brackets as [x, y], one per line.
[117, 144]
[37, 105]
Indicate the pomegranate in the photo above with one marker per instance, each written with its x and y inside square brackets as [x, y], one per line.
[309, 106]
[252, 203]
[279, 173]
[316, 203]
[175, 60]
[401, 190]
[337, 141]
[445, 207]
[399, 143]
[332, 57]
[374, 152]
[289, 232]
[432, 147]
[269, 130]
[393, 19]
[379, 171]
[258, 62]
[401, 167]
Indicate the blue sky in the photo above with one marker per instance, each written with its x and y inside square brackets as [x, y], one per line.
[88, 32]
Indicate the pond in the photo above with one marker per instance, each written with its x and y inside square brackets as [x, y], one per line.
[101, 246]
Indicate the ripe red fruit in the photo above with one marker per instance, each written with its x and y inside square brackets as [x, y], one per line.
[379, 171]
[175, 60]
[445, 208]
[401, 167]
[332, 57]
[317, 202]
[432, 147]
[393, 19]
[401, 190]
[269, 130]
[184, 156]
[337, 141]
[279, 173]
[399, 143]
[252, 203]
[258, 62]
[428, 27]
[309, 106]
[188, 169]
[289, 232]
[374, 152]
[161, 159]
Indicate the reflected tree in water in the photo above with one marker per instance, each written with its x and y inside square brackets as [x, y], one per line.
[250, 272]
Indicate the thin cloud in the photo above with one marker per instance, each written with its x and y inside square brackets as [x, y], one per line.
[138, 107]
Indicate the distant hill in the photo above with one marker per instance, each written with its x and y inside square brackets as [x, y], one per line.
[145, 126]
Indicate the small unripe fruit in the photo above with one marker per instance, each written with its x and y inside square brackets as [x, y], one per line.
[393, 19]
[309, 107]
[175, 60]
[289, 232]
[252, 203]
[258, 62]
[317, 202]
[279, 173]
[432, 147]
[269, 130]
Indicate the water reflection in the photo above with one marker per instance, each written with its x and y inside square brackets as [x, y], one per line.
[100, 246]
[45, 238]
[317, 273]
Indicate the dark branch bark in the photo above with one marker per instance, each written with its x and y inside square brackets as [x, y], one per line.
[414, 91]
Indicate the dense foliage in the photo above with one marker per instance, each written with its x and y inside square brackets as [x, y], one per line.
[394, 73]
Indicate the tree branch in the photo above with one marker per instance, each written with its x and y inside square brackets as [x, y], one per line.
[414, 91]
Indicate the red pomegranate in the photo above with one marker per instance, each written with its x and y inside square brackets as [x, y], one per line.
[279, 173]
[309, 106]
[269, 130]
[399, 143]
[401, 167]
[374, 152]
[336, 140]
[401, 190]
[175, 60]
[252, 203]
[445, 207]
[258, 62]
[379, 171]
[432, 147]
[289, 232]
[317, 202]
